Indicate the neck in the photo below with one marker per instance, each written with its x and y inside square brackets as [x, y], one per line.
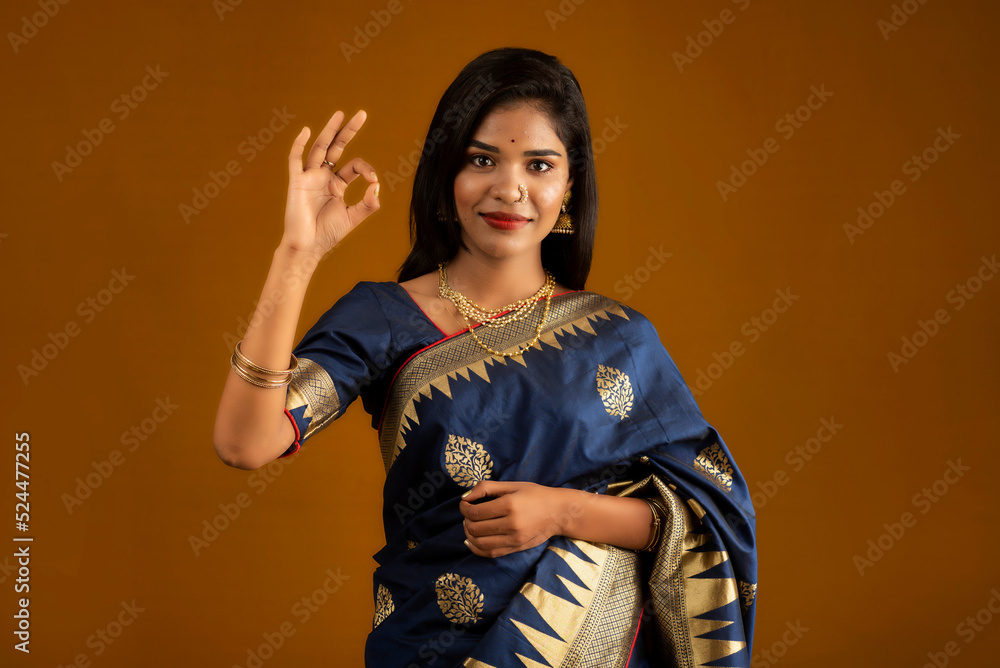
[495, 283]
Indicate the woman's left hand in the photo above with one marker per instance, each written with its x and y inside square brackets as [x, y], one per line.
[523, 515]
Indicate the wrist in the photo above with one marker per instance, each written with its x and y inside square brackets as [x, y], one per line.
[571, 507]
[296, 259]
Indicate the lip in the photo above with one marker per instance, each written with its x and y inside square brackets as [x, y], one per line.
[504, 221]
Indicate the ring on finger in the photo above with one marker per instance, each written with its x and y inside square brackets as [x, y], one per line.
[332, 165]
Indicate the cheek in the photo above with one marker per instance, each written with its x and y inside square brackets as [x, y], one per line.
[466, 190]
[550, 197]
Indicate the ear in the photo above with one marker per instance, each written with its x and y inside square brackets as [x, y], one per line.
[569, 184]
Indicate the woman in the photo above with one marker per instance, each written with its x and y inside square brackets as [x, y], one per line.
[553, 495]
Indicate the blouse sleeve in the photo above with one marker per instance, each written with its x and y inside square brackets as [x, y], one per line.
[344, 351]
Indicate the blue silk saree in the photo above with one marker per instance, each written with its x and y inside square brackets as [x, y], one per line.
[596, 404]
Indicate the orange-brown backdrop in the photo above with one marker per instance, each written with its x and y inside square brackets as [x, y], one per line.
[893, 109]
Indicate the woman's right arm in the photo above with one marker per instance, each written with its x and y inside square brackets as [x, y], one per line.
[251, 428]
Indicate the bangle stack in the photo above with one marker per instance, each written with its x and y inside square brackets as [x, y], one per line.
[252, 373]
[659, 512]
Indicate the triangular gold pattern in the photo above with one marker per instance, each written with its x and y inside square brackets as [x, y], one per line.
[705, 595]
[531, 663]
[680, 596]
[563, 616]
[459, 356]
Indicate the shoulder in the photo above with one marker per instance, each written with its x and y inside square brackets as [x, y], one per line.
[364, 305]
[390, 305]
[586, 299]
[375, 293]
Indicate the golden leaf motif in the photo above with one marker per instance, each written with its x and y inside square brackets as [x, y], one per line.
[410, 544]
[713, 464]
[383, 605]
[748, 590]
[467, 462]
[459, 598]
[615, 389]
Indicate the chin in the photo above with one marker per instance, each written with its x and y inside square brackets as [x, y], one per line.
[499, 248]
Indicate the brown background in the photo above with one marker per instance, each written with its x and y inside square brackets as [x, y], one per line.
[678, 132]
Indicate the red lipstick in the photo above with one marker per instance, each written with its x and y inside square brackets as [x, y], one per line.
[504, 221]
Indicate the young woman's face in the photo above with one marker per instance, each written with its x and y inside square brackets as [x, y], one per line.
[514, 146]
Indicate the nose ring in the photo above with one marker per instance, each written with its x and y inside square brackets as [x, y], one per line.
[524, 194]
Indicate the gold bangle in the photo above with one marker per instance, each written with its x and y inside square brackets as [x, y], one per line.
[254, 380]
[259, 369]
[655, 538]
[658, 502]
[238, 362]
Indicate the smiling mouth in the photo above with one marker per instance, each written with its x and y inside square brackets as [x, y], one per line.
[505, 217]
[504, 221]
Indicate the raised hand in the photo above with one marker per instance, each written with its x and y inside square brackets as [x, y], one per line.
[316, 215]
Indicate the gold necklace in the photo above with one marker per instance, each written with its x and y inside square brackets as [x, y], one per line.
[518, 310]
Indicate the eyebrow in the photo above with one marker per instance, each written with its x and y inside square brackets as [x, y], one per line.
[527, 154]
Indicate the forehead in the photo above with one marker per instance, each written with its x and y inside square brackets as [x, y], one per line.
[524, 123]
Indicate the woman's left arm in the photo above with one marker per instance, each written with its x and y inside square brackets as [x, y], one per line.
[525, 514]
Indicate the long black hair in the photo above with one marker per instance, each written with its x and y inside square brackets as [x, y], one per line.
[494, 79]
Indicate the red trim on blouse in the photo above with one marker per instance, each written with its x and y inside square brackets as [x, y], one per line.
[297, 444]
[445, 338]
[636, 637]
[393, 381]
[422, 310]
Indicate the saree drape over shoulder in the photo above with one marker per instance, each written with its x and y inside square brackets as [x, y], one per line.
[596, 404]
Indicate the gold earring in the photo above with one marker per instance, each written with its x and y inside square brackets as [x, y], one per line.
[564, 225]
[442, 218]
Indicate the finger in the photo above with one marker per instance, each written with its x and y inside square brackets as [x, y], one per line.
[488, 547]
[492, 488]
[489, 554]
[295, 154]
[483, 528]
[318, 151]
[496, 546]
[366, 206]
[344, 136]
[349, 171]
[475, 492]
[475, 550]
[485, 510]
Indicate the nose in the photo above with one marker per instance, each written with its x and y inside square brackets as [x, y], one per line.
[505, 187]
